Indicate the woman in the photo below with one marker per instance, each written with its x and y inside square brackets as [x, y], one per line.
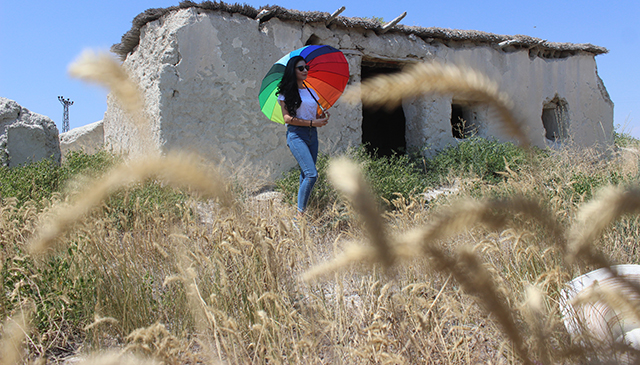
[300, 110]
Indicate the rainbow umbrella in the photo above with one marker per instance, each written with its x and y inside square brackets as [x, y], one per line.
[328, 76]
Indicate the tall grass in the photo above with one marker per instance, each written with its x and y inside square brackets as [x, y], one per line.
[225, 278]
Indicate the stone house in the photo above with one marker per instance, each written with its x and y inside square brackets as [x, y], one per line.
[201, 66]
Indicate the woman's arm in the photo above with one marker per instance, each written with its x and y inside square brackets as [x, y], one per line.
[288, 119]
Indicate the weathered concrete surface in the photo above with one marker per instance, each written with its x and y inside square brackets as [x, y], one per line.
[25, 136]
[530, 83]
[201, 73]
[88, 138]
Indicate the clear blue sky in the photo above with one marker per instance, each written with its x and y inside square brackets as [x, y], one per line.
[40, 38]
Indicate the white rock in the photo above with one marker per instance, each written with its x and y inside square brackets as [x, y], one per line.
[26, 136]
[88, 138]
[275, 196]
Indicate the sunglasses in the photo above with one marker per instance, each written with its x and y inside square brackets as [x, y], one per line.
[302, 68]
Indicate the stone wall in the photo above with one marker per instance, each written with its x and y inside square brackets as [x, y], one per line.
[201, 73]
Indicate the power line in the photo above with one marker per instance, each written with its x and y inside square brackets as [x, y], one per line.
[65, 116]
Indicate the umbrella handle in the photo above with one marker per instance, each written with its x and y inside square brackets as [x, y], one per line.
[314, 98]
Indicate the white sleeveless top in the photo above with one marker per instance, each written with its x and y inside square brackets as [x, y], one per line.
[308, 108]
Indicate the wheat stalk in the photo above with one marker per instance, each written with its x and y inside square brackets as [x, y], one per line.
[15, 332]
[534, 311]
[438, 78]
[97, 320]
[465, 266]
[103, 69]
[467, 270]
[177, 170]
[458, 218]
[492, 214]
[348, 179]
[117, 358]
[352, 254]
[609, 205]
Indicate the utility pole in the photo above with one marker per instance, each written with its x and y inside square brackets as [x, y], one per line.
[65, 116]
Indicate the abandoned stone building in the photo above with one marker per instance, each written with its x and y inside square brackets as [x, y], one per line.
[200, 67]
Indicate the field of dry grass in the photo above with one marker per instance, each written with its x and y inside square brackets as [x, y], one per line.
[226, 278]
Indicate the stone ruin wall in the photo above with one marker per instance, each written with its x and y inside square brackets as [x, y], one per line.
[26, 136]
[201, 73]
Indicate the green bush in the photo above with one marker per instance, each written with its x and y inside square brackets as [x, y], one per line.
[476, 156]
[138, 202]
[585, 185]
[391, 175]
[33, 181]
[78, 162]
[407, 175]
[61, 285]
[623, 138]
[64, 295]
[39, 180]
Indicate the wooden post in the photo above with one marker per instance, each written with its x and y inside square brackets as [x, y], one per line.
[334, 16]
[507, 43]
[392, 23]
[264, 13]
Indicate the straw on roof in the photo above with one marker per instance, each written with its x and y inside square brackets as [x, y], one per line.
[449, 37]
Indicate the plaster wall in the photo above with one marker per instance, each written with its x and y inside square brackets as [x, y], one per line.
[201, 72]
[530, 83]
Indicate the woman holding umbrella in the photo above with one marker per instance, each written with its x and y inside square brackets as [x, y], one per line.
[299, 106]
[297, 91]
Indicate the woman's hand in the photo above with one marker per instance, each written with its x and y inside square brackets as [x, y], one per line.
[321, 121]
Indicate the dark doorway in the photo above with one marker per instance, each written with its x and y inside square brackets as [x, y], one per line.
[382, 129]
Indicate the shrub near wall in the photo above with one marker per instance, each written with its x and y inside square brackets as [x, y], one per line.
[387, 176]
[405, 175]
[477, 156]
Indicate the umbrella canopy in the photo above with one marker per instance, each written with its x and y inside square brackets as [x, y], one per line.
[328, 76]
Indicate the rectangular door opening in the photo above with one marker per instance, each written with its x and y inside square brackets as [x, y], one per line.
[383, 130]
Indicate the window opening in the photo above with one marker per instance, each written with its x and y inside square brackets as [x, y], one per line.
[555, 119]
[463, 121]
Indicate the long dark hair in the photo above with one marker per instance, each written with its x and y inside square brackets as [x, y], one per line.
[289, 86]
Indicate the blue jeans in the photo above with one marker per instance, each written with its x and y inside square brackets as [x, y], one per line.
[303, 143]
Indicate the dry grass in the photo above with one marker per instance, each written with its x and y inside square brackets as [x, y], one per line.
[459, 280]
[103, 69]
[595, 216]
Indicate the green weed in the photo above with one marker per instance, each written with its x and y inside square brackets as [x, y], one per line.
[388, 176]
[476, 157]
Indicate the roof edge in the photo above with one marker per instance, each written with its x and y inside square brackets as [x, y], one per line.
[131, 38]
